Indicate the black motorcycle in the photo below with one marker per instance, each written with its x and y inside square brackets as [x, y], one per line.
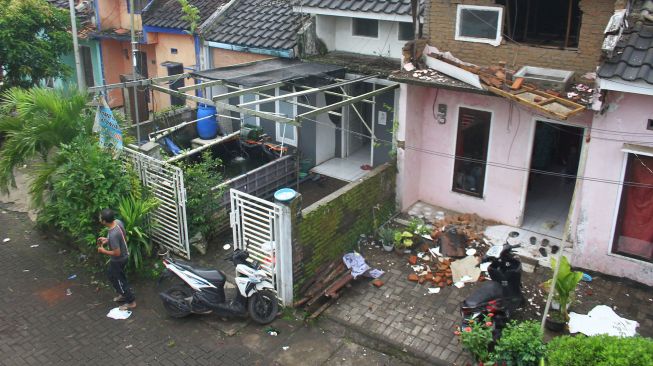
[502, 295]
[202, 290]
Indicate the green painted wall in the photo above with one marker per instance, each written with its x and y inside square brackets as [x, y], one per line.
[69, 60]
[333, 228]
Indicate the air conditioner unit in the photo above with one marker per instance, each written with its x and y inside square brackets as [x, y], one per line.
[546, 79]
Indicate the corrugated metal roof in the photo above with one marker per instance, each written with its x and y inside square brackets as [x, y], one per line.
[257, 23]
[393, 7]
[168, 14]
[632, 58]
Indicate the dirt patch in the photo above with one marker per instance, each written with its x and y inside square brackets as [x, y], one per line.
[54, 294]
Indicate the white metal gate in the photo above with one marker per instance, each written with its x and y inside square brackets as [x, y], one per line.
[166, 183]
[257, 226]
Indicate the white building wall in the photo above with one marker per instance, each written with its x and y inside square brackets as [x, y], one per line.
[336, 33]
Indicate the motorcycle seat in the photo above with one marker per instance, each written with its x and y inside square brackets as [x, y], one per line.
[210, 274]
[489, 290]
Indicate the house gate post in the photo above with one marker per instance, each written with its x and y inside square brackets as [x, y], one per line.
[290, 213]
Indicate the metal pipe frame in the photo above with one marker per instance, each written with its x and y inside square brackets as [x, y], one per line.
[346, 102]
[309, 91]
[144, 82]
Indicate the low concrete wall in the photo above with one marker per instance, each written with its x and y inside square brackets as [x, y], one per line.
[331, 227]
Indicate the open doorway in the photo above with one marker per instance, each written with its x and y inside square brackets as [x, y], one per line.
[353, 155]
[556, 152]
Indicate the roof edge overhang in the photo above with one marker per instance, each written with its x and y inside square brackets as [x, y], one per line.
[355, 14]
[633, 87]
[283, 53]
[436, 85]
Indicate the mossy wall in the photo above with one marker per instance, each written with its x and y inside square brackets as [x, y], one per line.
[331, 227]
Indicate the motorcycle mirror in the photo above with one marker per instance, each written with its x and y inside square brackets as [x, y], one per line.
[163, 253]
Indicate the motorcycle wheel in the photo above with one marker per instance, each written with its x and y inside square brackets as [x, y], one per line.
[263, 307]
[178, 292]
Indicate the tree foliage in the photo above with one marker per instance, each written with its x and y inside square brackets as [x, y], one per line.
[36, 121]
[33, 36]
[88, 180]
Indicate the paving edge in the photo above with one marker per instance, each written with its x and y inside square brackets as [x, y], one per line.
[370, 340]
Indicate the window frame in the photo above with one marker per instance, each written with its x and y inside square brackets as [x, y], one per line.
[487, 153]
[399, 31]
[613, 251]
[354, 19]
[499, 31]
[241, 99]
[278, 131]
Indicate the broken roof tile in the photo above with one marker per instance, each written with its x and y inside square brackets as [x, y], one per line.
[632, 58]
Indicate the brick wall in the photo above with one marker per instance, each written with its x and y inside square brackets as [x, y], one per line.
[331, 227]
[441, 23]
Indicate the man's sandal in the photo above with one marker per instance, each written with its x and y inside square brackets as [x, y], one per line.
[119, 298]
[126, 307]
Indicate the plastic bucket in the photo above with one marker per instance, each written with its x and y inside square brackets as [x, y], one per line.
[207, 126]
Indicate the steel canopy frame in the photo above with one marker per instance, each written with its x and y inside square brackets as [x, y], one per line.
[219, 100]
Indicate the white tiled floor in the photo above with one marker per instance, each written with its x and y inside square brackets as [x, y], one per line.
[547, 205]
[348, 169]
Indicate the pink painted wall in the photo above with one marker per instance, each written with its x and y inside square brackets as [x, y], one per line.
[598, 201]
[115, 63]
[429, 176]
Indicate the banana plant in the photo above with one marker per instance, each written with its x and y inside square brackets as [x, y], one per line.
[565, 285]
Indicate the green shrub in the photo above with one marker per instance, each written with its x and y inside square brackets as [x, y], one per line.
[88, 180]
[600, 351]
[477, 337]
[202, 203]
[520, 345]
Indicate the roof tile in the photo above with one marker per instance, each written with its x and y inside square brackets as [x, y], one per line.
[168, 14]
[398, 7]
[258, 23]
[632, 58]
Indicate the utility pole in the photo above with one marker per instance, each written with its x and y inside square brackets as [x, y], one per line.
[78, 63]
[135, 74]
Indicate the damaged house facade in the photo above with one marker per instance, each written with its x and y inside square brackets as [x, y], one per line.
[503, 114]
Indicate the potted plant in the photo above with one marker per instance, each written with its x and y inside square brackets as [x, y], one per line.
[387, 238]
[476, 339]
[565, 285]
[403, 240]
[418, 227]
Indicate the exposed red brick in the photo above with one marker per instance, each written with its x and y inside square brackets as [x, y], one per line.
[412, 260]
[377, 283]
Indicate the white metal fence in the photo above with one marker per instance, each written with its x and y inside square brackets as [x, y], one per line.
[166, 183]
[260, 227]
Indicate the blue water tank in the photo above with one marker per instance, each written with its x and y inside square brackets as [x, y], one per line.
[207, 126]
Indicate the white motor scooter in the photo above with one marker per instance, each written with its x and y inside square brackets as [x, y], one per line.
[202, 290]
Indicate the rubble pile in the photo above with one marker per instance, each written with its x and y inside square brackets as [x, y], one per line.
[471, 225]
[456, 238]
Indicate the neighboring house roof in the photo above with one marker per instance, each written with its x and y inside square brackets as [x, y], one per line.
[257, 24]
[86, 26]
[168, 13]
[632, 58]
[393, 7]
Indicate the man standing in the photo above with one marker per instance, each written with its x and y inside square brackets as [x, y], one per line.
[119, 257]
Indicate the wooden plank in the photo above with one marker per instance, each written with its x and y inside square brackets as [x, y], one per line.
[575, 108]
